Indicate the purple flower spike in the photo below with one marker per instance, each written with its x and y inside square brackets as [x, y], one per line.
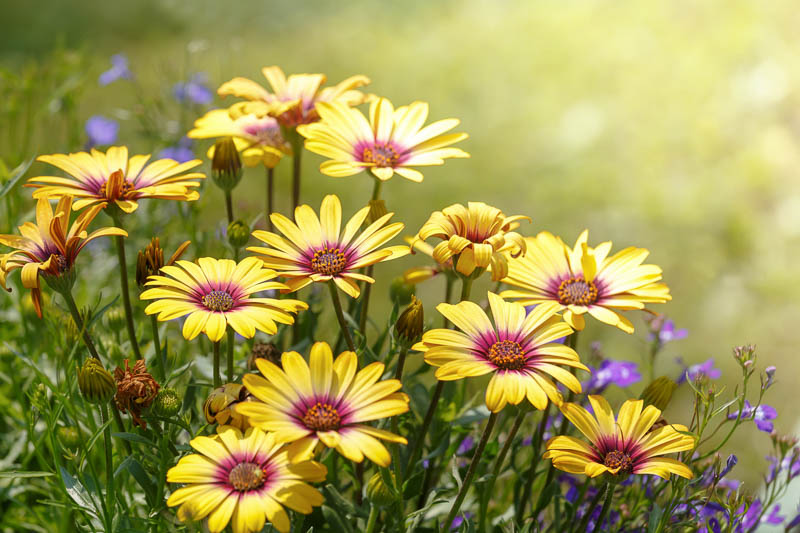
[693, 372]
[763, 414]
[119, 70]
[194, 91]
[101, 130]
[611, 372]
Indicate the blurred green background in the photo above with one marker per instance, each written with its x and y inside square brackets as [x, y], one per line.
[668, 125]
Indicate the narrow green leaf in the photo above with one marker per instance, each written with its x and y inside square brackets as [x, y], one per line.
[14, 474]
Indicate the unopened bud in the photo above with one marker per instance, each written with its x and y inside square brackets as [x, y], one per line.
[378, 493]
[226, 165]
[69, 437]
[150, 261]
[377, 209]
[167, 402]
[401, 292]
[95, 382]
[115, 319]
[238, 233]
[411, 322]
[659, 392]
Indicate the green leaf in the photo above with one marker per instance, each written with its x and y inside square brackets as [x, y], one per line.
[14, 474]
[133, 437]
[333, 518]
[78, 492]
[15, 176]
[136, 470]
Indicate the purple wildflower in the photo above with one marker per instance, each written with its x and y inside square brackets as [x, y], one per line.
[732, 460]
[101, 130]
[611, 372]
[763, 414]
[194, 91]
[693, 372]
[182, 152]
[119, 70]
[466, 445]
[668, 333]
[460, 519]
[790, 463]
[751, 517]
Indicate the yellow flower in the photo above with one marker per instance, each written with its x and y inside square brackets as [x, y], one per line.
[293, 99]
[474, 237]
[518, 350]
[219, 406]
[245, 479]
[258, 139]
[585, 280]
[216, 293]
[112, 178]
[619, 447]
[315, 250]
[49, 247]
[325, 401]
[418, 274]
[393, 140]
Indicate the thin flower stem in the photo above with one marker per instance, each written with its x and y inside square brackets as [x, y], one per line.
[297, 149]
[217, 378]
[526, 491]
[419, 442]
[229, 205]
[589, 512]
[401, 361]
[126, 296]
[498, 464]
[359, 471]
[76, 317]
[398, 373]
[373, 519]
[606, 505]
[162, 358]
[229, 346]
[337, 306]
[466, 288]
[473, 467]
[270, 195]
[110, 497]
[448, 294]
[367, 289]
[120, 427]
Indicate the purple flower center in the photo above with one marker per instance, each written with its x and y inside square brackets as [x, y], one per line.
[577, 291]
[218, 301]
[322, 417]
[507, 355]
[381, 154]
[618, 459]
[328, 261]
[246, 476]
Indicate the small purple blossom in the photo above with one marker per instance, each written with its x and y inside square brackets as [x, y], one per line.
[668, 333]
[182, 152]
[693, 372]
[194, 91]
[119, 70]
[732, 460]
[751, 517]
[769, 378]
[763, 415]
[101, 130]
[611, 372]
[466, 445]
[460, 519]
[790, 464]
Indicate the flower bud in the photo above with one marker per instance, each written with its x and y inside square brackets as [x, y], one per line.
[238, 233]
[264, 350]
[95, 382]
[69, 437]
[59, 275]
[659, 392]
[219, 406]
[226, 165]
[411, 322]
[768, 378]
[377, 209]
[150, 260]
[167, 402]
[39, 397]
[115, 319]
[378, 493]
[401, 292]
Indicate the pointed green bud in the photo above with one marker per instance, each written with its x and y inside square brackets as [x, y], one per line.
[659, 392]
[95, 382]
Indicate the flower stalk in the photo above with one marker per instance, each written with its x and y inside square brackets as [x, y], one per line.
[337, 306]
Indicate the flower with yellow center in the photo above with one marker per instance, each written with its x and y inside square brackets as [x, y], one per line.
[474, 237]
[243, 479]
[49, 247]
[517, 350]
[113, 179]
[392, 140]
[217, 293]
[293, 99]
[326, 401]
[258, 140]
[619, 447]
[585, 279]
[315, 250]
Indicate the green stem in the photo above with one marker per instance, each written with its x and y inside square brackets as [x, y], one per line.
[419, 442]
[401, 361]
[606, 505]
[448, 294]
[466, 288]
[367, 290]
[120, 427]
[337, 306]
[376, 189]
[231, 336]
[76, 317]
[589, 512]
[398, 373]
[126, 297]
[229, 205]
[473, 467]
[270, 195]
[162, 358]
[373, 518]
[110, 499]
[217, 378]
[486, 493]
[526, 491]
[297, 149]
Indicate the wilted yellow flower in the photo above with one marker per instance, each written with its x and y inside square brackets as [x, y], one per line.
[219, 406]
[393, 140]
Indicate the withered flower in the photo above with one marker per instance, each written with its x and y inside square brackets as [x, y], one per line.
[265, 350]
[136, 390]
[218, 408]
[151, 260]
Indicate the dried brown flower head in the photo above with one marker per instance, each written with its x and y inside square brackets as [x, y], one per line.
[136, 390]
[267, 350]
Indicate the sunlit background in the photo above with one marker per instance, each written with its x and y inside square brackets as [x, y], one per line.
[673, 126]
